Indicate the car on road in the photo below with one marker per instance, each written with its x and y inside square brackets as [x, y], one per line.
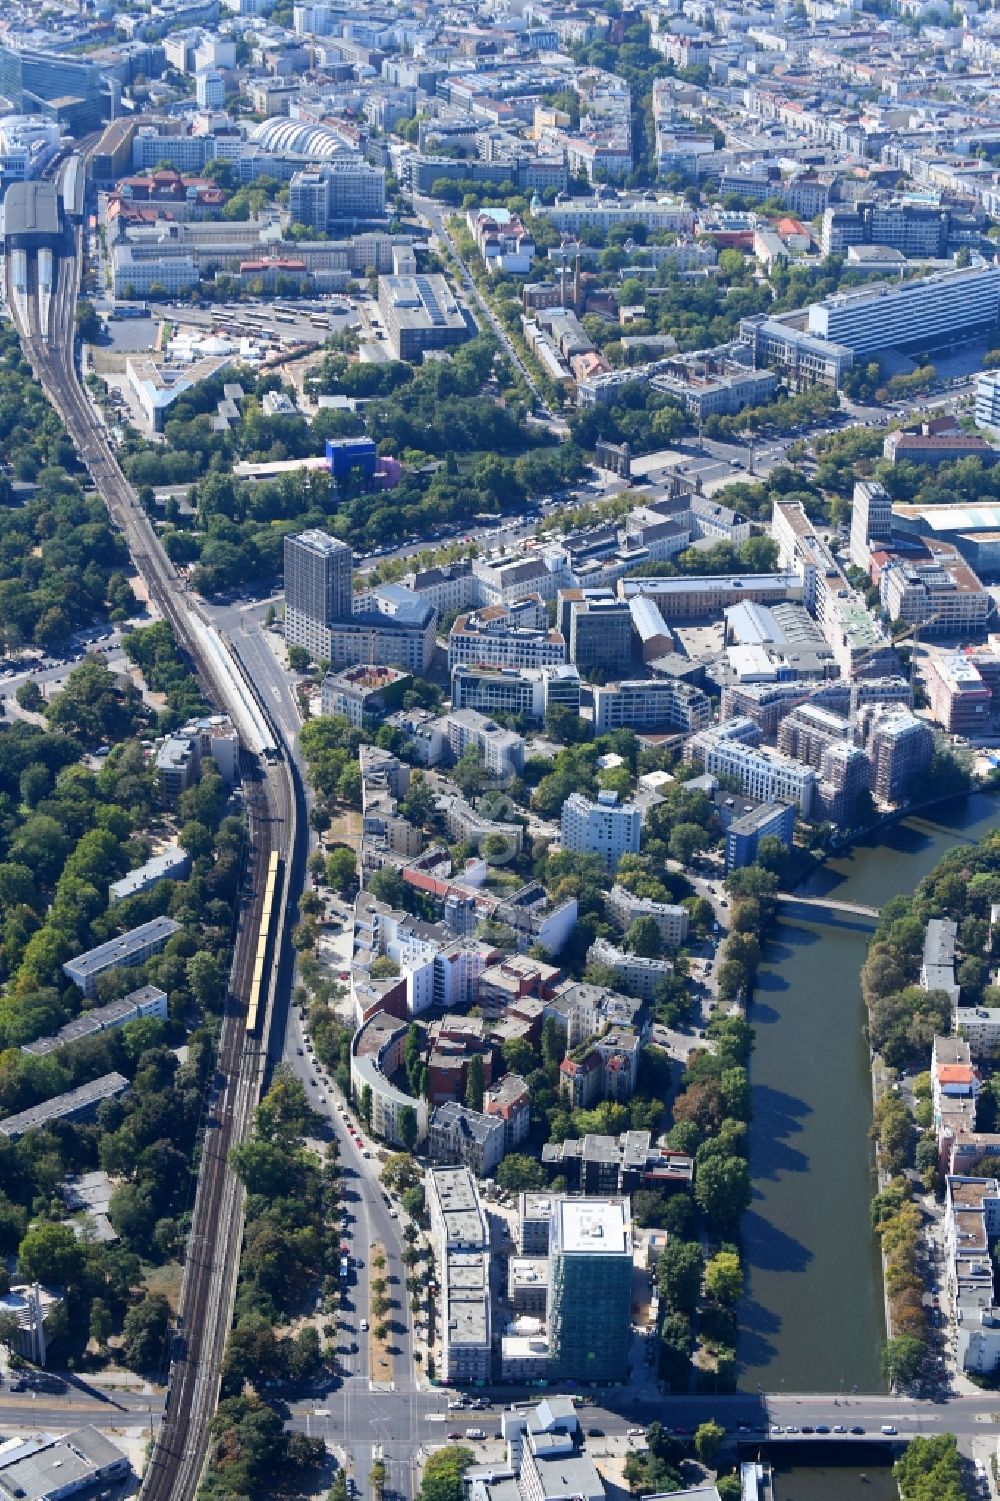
[454, 1436]
[822, 1428]
[839, 1428]
[776, 1428]
[857, 1428]
[888, 1429]
[791, 1428]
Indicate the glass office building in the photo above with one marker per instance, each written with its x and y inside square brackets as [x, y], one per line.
[68, 89]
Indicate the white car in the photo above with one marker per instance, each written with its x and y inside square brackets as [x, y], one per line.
[363, 1326]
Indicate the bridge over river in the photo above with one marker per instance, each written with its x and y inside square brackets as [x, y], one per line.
[827, 909]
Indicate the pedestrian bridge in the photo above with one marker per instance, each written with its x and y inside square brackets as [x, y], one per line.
[827, 909]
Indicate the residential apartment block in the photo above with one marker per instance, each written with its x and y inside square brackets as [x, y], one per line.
[605, 827]
[462, 1239]
[653, 706]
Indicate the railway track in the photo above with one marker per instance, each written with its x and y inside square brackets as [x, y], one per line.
[212, 1259]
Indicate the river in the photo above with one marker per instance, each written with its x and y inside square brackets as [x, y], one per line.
[812, 1318]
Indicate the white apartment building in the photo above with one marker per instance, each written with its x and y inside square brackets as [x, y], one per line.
[972, 1221]
[871, 520]
[452, 586]
[941, 591]
[637, 975]
[605, 827]
[501, 751]
[506, 579]
[624, 907]
[508, 690]
[979, 1025]
[210, 89]
[462, 1236]
[505, 636]
[652, 705]
[762, 773]
[599, 213]
[988, 398]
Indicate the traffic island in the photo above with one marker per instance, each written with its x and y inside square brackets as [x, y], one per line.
[380, 1358]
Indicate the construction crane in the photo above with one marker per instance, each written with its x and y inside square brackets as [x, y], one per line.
[911, 630]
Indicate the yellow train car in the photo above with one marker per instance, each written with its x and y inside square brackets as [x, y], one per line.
[258, 985]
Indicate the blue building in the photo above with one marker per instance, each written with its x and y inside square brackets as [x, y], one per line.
[345, 456]
[745, 833]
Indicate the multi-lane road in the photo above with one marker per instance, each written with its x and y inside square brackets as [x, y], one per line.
[430, 210]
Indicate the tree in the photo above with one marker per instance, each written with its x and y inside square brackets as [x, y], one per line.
[145, 1334]
[902, 1359]
[442, 1478]
[930, 1469]
[475, 1085]
[88, 324]
[722, 1190]
[643, 938]
[206, 979]
[51, 1253]
[100, 1322]
[10, 1331]
[366, 1105]
[520, 1174]
[342, 869]
[29, 696]
[679, 1273]
[685, 841]
[708, 1439]
[407, 1127]
[518, 1055]
[724, 1277]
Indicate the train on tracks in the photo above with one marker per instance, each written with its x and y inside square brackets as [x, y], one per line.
[257, 1000]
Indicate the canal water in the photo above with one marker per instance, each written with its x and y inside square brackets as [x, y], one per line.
[812, 1318]
[828, 1483]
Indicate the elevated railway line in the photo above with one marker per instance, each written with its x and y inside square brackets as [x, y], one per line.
[44, 313]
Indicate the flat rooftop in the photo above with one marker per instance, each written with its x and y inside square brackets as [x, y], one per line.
[31, 209]
[600, 1227]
